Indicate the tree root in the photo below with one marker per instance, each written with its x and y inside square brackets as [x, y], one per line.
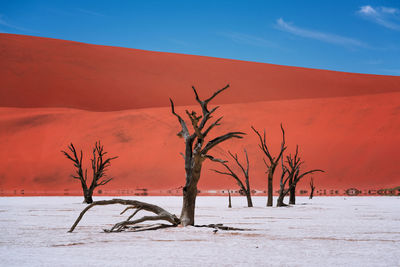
[133, 204]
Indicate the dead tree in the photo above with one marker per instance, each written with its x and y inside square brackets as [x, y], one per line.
[196, 151]
[99, 167]
[294, 166]
[273, 161]
[312, 188]
[161, 215]
[244, 188]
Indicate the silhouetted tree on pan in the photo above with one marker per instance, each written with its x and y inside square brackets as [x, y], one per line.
[244, 187]
[99, 167]
[272, 161]
[294, 165]
[197, 150]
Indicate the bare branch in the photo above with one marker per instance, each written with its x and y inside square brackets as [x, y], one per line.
[216, 123]
[195, 121]
[220, 172]
[221, 139]
[185, 132]
[215, 159]
[283, 148]
[235, 157]
[308, 172]
[216, 93]
[263, 145]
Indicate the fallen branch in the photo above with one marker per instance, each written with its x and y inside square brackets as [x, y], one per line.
[161, 214]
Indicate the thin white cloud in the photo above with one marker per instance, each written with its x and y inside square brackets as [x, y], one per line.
[248, 39]
[11, 26]
[384, 16]
[90, 12]
[395, 72]
[320, 36]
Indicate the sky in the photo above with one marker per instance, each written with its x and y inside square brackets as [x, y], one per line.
[351, 36]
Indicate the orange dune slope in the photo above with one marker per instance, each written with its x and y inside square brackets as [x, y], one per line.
[54, 92]
[43, 72]
[355, 139]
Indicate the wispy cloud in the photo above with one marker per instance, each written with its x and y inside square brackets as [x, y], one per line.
[384, 16]
[4, 23]
[248, 39]
[317, 35]
[392, 71]
[90, 12]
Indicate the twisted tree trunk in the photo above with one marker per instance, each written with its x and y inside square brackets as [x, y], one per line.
[292, 198]
[312, 188]
[249, 201]
[87, 195]
[270, 187]
[189, 204]
[279, 202]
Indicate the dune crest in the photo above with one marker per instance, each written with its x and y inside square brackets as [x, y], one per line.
[44, 72]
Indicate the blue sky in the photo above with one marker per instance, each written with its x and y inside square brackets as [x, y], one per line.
[352, 36]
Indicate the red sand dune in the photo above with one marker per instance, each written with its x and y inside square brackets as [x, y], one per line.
[42, 72]
[339, 120]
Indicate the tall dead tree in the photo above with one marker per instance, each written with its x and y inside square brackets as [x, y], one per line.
[312, 188]
[196, 151]
[273, 161]
[99, 167]
[294, 165]
[244, 187]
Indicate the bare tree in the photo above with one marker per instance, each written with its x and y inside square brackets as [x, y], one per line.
[99, 167]
[196, 151]
[294, 166]
[312, 188]
[244, 188]
[273, 161]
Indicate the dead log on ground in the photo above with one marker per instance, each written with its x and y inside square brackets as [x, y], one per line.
[161, 214]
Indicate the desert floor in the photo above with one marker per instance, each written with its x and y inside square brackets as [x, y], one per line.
[324, 231]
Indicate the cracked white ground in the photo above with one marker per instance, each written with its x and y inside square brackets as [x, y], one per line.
[324, 231]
